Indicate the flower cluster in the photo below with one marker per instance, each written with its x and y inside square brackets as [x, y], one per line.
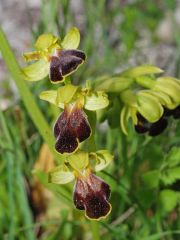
[139, 94]
[59, 59]
[143, 97]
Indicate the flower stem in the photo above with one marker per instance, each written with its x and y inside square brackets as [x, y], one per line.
[95, 230]
[26, 95]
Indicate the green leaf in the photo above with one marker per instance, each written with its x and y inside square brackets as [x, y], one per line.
[168, 200]
[104, 158]
[61, 175]
[141, 70]
[151, 178]
[36, 71]
[50, 96]
[170, 176]
[79, 160]
[149, 106]
[173, 157]
[96, 101]
[66, 93]
[72, 39]
[45, 41]
[114, 84]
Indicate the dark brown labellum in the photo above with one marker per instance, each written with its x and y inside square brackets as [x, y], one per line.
[71, 128]
[91, 194]
[158, 127]
[176, 112]
[64, 63]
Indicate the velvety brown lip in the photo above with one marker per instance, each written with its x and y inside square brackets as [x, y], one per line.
[64, 63]
[91, 194]
[71, 128]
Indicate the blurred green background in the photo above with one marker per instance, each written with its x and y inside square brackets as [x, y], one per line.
[115, 35]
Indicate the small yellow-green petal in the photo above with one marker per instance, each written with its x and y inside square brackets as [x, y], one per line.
[36, 71]
[61, 175]
[72, 39]
[96, 101]
[45, 41]
[79, 160]
[49, 96]
[104, 158]
[141, 70]
[66, 93]
[31, 56]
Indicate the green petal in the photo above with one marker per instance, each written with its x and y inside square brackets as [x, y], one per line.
[141, 70]
[96, 101]
[149, 107]
[49, 96]
[104, 158]
[124, 117]
[61, 175]
[36, 71]
[45, 41]
[66, 93]
[114, 84]
[79, 160]
[72, 39]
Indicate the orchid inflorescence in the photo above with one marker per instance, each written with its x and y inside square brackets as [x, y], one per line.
[148, 101]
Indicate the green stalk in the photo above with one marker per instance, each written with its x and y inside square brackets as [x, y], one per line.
[95, 230]
[26, 95]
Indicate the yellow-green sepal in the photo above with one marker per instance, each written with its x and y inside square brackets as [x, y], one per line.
[114, 84]
[61, 175]
[141, 70]
[49, 96]
[66, 93]
[149, 106]
[79, 160]
[96, 101]
[36, 71]
[170, 87]
[72, 39]
[45, 41]
[163, 98]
